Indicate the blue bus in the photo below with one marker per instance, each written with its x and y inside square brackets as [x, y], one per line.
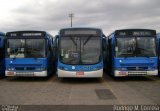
[2, 54]
[80, 53]
[29, 54]
[132, 52]
[158, 50]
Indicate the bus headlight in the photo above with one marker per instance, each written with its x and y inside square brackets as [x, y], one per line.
[120, 61]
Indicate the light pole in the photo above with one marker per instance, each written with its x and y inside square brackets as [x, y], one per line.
[71, 15]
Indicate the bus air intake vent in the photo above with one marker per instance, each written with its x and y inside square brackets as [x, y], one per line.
[137, 73]
[25, 73]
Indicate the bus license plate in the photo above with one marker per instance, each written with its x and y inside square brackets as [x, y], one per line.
[79, 73]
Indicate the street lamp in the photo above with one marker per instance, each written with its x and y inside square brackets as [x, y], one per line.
[71, 15]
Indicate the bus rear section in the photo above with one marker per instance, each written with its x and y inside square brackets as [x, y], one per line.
[2, 54]
[133, 53]
[80, 53]
[28, 54]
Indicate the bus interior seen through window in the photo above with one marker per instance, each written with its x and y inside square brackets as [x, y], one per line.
[80, 50]
[135, 46]
[26, 48]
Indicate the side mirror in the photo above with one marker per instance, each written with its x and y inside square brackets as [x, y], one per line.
[104, 44]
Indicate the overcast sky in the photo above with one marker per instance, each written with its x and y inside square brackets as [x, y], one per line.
[52, 15]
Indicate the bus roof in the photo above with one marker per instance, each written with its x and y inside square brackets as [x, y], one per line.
[81, 31]
[81, 28]
[26, 33]
[135, 32]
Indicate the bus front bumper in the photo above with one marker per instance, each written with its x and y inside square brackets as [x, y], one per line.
[76, 74]
[118, 73]
[26, 73]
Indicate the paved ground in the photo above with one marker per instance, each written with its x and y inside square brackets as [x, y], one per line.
[55, 91]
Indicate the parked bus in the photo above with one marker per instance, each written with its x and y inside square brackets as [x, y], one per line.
[158, 50]
[80, 53]
[29, 53]
[132, 52]
[2, 54]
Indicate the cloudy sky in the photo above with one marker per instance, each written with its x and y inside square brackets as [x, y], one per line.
[52, 15]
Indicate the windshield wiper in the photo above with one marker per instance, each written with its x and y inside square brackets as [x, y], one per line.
[87, 40]
[125, 55]
[143, 49]
[73, 41]
[143, 55]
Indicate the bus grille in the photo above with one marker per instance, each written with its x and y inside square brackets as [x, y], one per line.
[25, 73]
[137, 73]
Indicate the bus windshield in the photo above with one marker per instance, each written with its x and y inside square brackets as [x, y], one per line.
[26, 48]
[139, 46]
[146, 46]
[80, 50]
[125, 47]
